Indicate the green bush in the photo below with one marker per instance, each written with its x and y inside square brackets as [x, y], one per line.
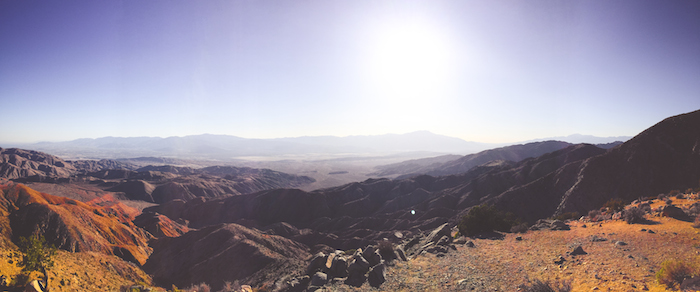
[673, 272]
[37, 255]
[485, 218]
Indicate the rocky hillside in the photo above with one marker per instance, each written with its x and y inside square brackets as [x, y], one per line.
[661, 158]
[156, 184]
[437, 167]
[17, 163]
[226, 252]
[72, 225]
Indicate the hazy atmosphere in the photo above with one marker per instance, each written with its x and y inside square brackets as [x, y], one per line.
[487, 71]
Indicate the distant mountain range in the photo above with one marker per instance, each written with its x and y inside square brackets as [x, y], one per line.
[224, 147]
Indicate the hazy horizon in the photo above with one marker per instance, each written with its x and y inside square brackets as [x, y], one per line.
[575, 136]
[484, 71]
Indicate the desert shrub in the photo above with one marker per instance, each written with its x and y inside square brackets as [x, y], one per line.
[634, 215]
[485, 218]
[386, 249]
[519, 228]
[201, 287]
[673, 272]
[593, 215]
[568, 216]
[614, 205]
[661, 197]
[694, 209]
[38, 255]
[539, 286]
[229, 287]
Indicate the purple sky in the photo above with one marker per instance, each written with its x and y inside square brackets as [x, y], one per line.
[489, 71]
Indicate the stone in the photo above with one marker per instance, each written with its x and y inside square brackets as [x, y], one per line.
[518, 238]
[578, 251]
[339, 268]
[317, 262]
[559, 225]
[675, 213]
[377, 276]
[597, 239]
[620, 243]
[445, 240]
[560, 260]
[461, 240]
[470, 244]
[371, 254]
[400, 253]
[438, 233]
[329, 261]
[34, 286]
[691, 284]
[359, 265]
[319, 279]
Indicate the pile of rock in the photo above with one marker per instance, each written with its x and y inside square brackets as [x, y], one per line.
[543, 224]
[364, 265]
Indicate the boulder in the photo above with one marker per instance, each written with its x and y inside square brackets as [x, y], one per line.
[691, 284]
[400, 253]
[359, 265]
[371, 254]
[578, 251]
[377, 275]
[34, 286]
[675, 213]
[319, 279]
[339, 268]
[559, 225]
[316, 264]
[438, 233]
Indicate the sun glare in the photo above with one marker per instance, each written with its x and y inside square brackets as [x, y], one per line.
[409, 62]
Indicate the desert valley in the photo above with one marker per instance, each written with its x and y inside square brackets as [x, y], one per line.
[529, 217]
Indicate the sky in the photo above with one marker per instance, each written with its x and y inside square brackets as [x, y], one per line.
[486, 71]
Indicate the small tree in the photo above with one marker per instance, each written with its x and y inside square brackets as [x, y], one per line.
[38, 256]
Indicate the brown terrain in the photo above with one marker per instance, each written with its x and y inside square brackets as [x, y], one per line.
[221, 225]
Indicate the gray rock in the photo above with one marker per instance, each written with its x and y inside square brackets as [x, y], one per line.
[319, 279]
[559, 225]
[339, 268]
[438, 233]
[400, 253]
[470, 244]
[578, 251]
[371, 254]
[359, 265]
[675, 213]
[692, 284]
[377, 275]
[445, 240]
[620, 243]
[597, 239]
[317, 263]
[461, 240]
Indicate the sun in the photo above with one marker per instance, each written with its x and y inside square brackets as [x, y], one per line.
[409, 62]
